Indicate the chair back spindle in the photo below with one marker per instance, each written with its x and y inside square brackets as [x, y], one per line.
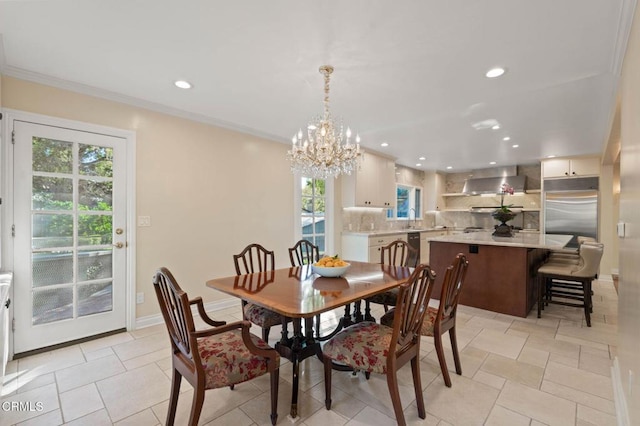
[304, 253]
[411, 307]
[254, 258]
[452, 286]
[399, 253]
[174, 305]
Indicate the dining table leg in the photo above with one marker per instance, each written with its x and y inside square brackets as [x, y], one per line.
[296, 348]
[346, 319]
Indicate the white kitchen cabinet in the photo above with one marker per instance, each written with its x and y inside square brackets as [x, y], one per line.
[425, 237]
[434, 187]
[366, 248]
[566, 167]
[373, 185]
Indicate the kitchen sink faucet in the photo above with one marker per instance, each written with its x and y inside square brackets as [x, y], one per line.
[415, 218]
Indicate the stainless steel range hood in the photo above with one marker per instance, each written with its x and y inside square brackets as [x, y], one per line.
[493, 185]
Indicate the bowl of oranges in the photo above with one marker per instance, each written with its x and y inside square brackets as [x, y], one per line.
[330, 266]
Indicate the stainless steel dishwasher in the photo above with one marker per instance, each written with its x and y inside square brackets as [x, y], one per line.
[413, 239]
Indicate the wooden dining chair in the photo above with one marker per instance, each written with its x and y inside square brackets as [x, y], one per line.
[305, 253]
[396, 253]
[255, 258]
[439, 320]
[376, 348]
[219, 356]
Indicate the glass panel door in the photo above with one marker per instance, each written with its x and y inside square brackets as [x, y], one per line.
[69, 209]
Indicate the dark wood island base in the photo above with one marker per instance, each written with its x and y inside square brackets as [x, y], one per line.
[500, 278]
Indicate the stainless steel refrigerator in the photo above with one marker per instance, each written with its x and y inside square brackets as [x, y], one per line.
[571, 207]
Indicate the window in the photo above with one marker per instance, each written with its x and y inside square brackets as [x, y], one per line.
[408, 203]
[313, 198]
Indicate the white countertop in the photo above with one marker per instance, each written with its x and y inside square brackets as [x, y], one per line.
[392, 231]
[520, 239]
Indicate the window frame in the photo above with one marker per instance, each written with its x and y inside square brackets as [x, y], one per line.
[329, 215]
[392, 213]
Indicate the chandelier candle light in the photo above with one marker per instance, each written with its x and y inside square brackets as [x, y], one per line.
[326, 150]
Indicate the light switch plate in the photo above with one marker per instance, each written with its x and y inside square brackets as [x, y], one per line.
[144, 220]
[620, 229]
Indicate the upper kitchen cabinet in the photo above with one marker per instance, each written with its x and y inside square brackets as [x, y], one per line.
[434, 187]
[564, 167]
[374, 185]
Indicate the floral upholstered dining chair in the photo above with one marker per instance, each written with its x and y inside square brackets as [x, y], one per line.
[376, 348]
[219, 356]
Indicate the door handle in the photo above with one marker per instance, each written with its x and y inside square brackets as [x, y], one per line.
[118, 245]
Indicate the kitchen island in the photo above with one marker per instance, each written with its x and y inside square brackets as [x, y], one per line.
[502, 270]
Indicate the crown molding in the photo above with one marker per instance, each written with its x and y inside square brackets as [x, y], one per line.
[84, 89]
[625, 21]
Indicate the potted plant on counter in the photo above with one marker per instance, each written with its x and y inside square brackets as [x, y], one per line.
[504, 213]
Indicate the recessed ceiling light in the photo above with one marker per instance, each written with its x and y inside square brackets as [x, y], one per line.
[183, 84]
[515, 146]
[384, 144]
[449, 167]
[492, 163]
[422, 158]
[418, 164]
[506, 138]
[495, 127]
[495, 72]
[551, 156]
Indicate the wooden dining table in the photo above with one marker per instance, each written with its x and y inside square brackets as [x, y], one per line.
[298, 293]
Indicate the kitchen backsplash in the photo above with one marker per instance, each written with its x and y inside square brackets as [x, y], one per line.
[365, 220]
[524, 220]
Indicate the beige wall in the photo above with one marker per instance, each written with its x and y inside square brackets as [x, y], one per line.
[607, 220]
[209, 191]
[629, 300]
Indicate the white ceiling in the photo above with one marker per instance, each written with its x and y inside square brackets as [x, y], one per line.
[410, 73]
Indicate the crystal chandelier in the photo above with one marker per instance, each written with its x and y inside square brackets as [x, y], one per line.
[326, 150]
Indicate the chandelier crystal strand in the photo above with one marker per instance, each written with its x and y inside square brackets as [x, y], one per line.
[327, 149]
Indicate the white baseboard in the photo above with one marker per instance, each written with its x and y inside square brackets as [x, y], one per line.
[604, 277]
[622, 412]
[218, 305]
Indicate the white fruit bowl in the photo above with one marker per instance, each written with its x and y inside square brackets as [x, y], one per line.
[331, 272]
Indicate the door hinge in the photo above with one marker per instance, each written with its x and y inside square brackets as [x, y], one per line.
[13, 230]
[13, 324]
[13, 137]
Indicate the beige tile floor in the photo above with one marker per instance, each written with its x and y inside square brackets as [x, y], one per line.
[516, 371]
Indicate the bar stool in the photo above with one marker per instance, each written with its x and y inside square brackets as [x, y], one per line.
[569, 280]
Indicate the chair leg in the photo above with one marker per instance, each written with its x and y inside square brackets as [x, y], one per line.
[392, 383]
[275, 377]
[173, 399]
[437, 339]
[265, 334]
[327, 382]
[541, 285]
[196, 405]
[454, 348]
[587, 302]
[417, 385]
